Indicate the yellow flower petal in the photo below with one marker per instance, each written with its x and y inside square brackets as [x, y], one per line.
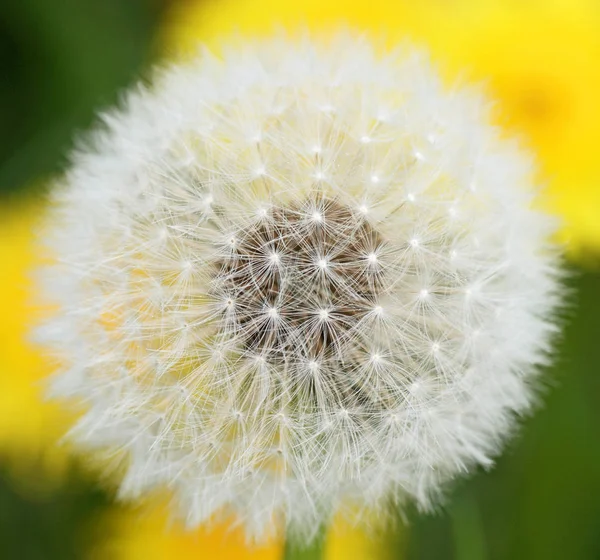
[147, 535]
[27, 422]
[347, 541]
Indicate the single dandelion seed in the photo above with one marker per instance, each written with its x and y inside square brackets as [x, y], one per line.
[372, 258]
[267, 358]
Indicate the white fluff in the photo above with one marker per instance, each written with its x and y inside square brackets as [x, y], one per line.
[412, 284]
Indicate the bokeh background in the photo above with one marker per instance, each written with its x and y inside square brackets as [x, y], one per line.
[63, 60]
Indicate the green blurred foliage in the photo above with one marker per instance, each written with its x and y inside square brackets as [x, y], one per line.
[60, 61]
[47, 518]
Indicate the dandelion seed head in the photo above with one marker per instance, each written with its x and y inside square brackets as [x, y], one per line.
[243, 328]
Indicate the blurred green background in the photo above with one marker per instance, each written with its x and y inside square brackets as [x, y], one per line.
[61, 61]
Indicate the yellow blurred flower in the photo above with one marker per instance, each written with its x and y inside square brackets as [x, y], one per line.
[30, 426]
[539, 58]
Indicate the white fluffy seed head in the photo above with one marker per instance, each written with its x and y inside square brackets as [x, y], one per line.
[276, 302]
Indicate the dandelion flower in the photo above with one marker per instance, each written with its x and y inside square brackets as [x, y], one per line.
[299, 277]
